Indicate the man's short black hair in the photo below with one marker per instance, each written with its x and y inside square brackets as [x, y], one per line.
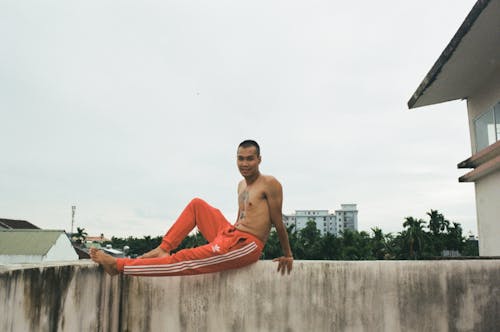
[248, 143]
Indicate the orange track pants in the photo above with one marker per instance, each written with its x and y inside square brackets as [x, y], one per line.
[228, 248]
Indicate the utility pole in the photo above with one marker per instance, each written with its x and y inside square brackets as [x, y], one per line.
[73, 208]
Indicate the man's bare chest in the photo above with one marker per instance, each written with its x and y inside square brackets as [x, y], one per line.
[251, 198]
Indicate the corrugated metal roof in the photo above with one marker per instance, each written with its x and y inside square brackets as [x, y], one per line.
[16, 224]
[27, 242]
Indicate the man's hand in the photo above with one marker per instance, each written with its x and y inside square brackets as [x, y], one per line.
[284, 263]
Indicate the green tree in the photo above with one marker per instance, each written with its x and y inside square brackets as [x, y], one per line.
[414, 235]
[394, 246]
[272, 249]
[454, 239]
[194, 240]
[413, 242]
[138, 246]
[309, 246]
[437, 222]
[355, 245]
[471, 247]
[379, 247]
[330, 247]
[80, 235]
[293, 239]
[117, 242]
[438, 227]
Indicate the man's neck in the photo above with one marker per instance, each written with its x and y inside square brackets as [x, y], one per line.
[251, 179]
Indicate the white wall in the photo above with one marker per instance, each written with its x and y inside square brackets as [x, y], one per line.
[62, 250]
[488, 214]
[488, 187]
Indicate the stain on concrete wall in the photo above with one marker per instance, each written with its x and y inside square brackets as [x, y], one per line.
[58, 297]
[317, 296]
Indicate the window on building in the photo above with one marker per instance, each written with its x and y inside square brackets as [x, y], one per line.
[487, 128]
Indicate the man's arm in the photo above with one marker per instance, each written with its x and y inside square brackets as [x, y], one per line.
[275, 201]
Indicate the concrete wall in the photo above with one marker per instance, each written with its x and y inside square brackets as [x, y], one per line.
[317, 296]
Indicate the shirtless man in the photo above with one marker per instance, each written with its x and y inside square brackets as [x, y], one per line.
[260, 199]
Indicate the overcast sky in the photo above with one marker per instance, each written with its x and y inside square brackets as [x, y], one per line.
[129, 109]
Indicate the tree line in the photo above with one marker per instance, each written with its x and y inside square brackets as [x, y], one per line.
[419, 239]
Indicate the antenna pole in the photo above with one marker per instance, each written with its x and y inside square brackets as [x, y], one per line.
[73, 208]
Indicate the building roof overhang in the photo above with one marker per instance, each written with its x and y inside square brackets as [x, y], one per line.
[469, 59]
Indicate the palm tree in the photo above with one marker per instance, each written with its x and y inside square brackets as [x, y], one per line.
[378, 244]
[439, 228]
[437, 223]
[392, 245]
[414, 235]
[80, 235]
[454, 239]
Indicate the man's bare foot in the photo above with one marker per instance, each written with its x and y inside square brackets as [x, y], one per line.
[108, 262]
[156, 252]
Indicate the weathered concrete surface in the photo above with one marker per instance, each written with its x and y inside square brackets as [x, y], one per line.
[317, 296]
[58, 297]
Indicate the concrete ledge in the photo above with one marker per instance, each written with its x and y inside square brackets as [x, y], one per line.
[317, 296]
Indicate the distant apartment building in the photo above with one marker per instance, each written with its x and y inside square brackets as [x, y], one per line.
[334, 223]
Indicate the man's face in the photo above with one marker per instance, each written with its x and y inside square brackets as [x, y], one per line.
[248, 161]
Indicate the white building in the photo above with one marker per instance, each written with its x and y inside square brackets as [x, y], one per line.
[347, 217]
[34, 246]
[469, 68]
[334, 223]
